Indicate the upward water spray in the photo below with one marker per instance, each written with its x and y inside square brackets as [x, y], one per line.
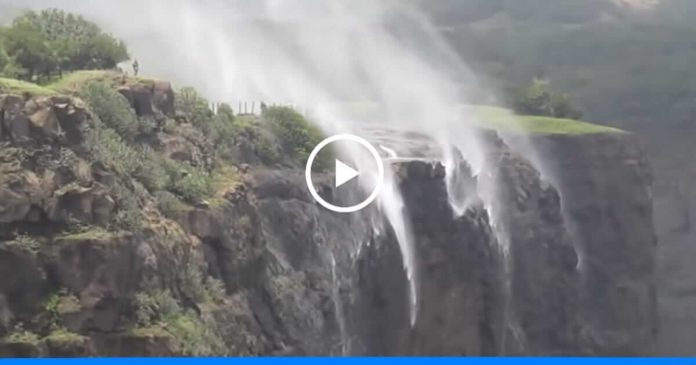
[329, 55]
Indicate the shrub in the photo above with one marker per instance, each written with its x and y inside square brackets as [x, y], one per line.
[169, 204]
[225, 112]
[58, 304]
[129, 215]
[112, 109]
[146, 125]
[224, 128]
[20, 335]
[28, 243]
[150, 171]
[195, 108]
[563, 107]
[196, 337]
[192, 185]
[4, 59]
[108, 147]
[296, 134]
[219, 127]
[158, 306]
[214, 290]
[194, 334]
[538, 99]
[65, 339]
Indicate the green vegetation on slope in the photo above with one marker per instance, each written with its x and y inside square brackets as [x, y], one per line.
[19, 87]
[504, 120]
[41, 45]
[633, 69]
[72, 81]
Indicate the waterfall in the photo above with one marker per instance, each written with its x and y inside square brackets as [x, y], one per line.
[328, 55]
[392, 205]
[338, 309]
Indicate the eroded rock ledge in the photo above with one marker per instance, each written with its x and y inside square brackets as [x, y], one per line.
[546, 266]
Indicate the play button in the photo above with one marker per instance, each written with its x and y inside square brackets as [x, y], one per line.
[344, 173]
[361, 177]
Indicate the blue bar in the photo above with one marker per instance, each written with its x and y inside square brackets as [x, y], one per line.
[362, 360]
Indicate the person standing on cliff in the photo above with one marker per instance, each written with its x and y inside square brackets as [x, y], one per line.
[136, 67]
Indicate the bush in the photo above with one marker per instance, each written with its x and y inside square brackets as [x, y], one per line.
[146, 125]
[194, 186]
[158, 306]
[150, 170]
[19, 335]
[129, 215]
[4, 59]
[59, 303]
[296, 135]
[538, 99]
[28, 243]
[219, 128]
[108, 147]
[223, 127]
[74, 42]
[196, 337]
[112, 109]
[169, 204]
[215, 290]
[196, 108]
[190, 183]
[563, 107]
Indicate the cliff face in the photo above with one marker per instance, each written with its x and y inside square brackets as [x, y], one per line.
[606, 188]
[537, 266]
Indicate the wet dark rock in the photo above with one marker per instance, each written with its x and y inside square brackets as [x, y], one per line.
[544, 260]
[605, 183]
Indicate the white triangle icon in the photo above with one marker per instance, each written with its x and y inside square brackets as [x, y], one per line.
[344, 173]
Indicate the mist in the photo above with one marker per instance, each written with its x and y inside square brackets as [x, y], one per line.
[327, 58]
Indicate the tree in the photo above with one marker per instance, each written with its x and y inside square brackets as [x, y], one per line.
[75, 42]
[4, 58]
[563, 107]
[24, 44]
[538, 99]
[533, 100]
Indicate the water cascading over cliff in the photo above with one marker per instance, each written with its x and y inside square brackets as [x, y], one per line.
[327, 57]
[470, 250]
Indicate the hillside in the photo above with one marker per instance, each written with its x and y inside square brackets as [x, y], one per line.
[135, 221]
[140, 219]
[82, 181]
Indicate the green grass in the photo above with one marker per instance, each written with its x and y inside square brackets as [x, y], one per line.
[497, 118]
[21, 336]
[489, 117]
[504, 120]
[13, 86]
[71, 82]
[154, 331]
[64, 337]
[91, 233]
[224, 179]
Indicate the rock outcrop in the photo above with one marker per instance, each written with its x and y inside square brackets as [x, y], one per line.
[537, 264]
[606, 188]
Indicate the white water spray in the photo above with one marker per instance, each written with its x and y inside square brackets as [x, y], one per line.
[338, 308]
[392, 205]
[327, 55]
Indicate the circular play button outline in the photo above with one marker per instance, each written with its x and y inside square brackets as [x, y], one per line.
[373, 152]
